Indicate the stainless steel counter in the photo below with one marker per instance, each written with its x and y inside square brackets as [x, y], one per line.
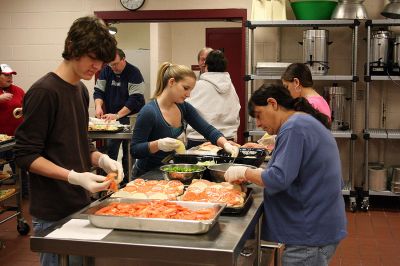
[222, 245]
[124, 135]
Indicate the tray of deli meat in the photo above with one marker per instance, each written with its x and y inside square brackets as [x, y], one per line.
[6, 139]
[105, 128]
[236, 197]
[155, 215]
[151, 189]
[249, 156]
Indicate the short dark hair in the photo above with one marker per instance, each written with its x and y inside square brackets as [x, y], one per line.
[120, 53]
[89, 36]
[301, 72]
[216, 61]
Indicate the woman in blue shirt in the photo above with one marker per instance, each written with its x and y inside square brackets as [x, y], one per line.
[303, 202]
[163, 119]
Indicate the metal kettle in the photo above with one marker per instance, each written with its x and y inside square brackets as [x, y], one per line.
[380, 48]
[315, 50]
[336, 98]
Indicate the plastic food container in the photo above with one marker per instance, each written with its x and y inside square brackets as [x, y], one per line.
[313, 9]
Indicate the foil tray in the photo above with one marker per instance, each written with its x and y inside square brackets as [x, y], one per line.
[154, 224]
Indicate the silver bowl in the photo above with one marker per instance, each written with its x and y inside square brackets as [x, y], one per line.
[182, 172]
[217, 171]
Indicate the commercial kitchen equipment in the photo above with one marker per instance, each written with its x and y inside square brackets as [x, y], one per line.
[23, 227]
[336, 98]
[375, 132]
[349, 76]
[379, 55]
[350, 9]
[232, 239]
[315, 50]
[394, 68]
[392, 9]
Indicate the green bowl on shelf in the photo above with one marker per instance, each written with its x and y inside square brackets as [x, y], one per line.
[313, 9]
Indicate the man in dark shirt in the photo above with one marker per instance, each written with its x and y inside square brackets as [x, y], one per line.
[52, 142]
[117, 94]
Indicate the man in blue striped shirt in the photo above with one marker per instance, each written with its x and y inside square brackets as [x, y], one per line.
[118, 93]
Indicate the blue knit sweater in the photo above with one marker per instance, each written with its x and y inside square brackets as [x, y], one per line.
[151, 125]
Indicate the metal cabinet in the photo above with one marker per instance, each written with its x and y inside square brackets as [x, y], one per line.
[351, 77]
[381, 133]
[23, 227]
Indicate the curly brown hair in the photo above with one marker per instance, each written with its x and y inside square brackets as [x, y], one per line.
[89, 36]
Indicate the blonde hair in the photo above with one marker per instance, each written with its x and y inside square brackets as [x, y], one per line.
[168, 70]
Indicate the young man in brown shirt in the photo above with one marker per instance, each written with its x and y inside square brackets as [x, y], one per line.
[52, 142]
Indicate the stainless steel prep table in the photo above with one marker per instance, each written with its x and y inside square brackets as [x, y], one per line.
[124, 135]
[224, 244]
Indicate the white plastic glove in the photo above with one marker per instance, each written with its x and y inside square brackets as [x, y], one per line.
[235, 174]
[89, 181]
[110, 165]
[167, 144]
[231, 149]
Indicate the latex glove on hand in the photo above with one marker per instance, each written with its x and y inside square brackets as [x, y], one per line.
[232, 150]
[89, 181]
[235, 174]
[110, 165]
[167, 144]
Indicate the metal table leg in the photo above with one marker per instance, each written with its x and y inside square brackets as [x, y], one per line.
[63, 260]
[130, 162]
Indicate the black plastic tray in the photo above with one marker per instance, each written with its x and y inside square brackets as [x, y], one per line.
[119, 129]
[256, 159]
[238, 211]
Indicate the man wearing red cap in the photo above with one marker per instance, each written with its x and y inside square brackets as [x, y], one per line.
[11, 97]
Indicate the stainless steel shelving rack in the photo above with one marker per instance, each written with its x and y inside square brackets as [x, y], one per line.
[353, 78]
[375, 133]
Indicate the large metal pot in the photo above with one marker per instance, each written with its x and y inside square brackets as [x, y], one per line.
[379, 48]
[315, 50]
[396, 51]
[392, 10]
[350, 9]
[336, 98]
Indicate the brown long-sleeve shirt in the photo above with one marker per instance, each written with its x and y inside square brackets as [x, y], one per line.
[55, 127]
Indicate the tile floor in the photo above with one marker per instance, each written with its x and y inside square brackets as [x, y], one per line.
[374, 238]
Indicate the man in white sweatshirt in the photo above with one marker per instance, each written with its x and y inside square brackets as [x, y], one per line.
[216, 100]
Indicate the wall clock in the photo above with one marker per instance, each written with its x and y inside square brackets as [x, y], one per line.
[132, 4]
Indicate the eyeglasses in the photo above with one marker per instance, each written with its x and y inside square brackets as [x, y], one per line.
[116, 63]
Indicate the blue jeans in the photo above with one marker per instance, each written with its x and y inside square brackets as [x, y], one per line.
[113, 149]
[308, 256]
[51, 259]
